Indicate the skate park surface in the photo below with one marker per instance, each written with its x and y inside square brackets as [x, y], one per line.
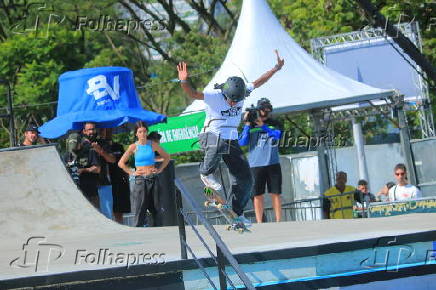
[51, 235]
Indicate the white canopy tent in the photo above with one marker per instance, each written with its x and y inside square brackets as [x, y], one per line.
[301, 85]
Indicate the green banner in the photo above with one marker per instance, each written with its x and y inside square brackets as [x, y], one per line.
[180, 134]
[427, 205]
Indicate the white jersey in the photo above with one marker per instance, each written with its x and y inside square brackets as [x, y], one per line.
[221, 118]
[399, 192]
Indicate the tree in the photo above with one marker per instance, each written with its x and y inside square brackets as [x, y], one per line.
[40, 41]
[306, 19]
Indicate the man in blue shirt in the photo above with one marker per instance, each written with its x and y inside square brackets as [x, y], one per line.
[262, 139]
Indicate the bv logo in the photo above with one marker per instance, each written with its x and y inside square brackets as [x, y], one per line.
[99, 88]
[37, 254]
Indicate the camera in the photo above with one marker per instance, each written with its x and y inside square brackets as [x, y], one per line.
[73, 169]
[77, 143]
[253, 115]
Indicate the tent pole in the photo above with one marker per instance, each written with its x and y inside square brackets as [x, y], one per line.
[324, 181]
[405, 142]
[359, 143]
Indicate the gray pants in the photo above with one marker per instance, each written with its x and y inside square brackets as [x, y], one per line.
[146, 198]
[241, 181]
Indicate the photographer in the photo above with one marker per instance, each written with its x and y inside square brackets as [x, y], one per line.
[83, 160]
[262, 134]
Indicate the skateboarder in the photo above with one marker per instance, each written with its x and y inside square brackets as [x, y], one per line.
[220, 136]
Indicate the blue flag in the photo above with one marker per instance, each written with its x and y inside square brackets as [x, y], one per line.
[104, 95]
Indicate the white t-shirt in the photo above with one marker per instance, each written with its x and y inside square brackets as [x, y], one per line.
[221, 118]
[399, 192]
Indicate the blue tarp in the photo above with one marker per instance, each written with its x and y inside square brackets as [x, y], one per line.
[104, 95]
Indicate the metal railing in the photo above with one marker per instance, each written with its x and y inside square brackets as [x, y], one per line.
[300, 210]
[223, 254]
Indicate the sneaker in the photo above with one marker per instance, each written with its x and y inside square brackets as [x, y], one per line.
[209, 180]
[245, 221]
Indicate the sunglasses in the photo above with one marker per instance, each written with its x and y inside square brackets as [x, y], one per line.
[402, 174]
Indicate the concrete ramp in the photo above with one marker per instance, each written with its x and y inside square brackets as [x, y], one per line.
[40, 198]
[51, 236]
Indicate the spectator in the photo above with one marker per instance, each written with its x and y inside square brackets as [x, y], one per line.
[402, 190]
[146, 172]
[106, 157]
[366, 196]
[31, 136]
[155, 137]
[383, 194]
[336, 204]
[119, 179]
[363, 198]
[84, 159]
[262, 138]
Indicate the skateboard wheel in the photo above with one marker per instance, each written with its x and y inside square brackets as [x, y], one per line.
[206, 204]
[228, 228]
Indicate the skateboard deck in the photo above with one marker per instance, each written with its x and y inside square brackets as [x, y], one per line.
[214, 199]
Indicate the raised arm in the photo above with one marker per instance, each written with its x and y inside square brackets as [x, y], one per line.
[266, 76]
[109, 157]
[186, 86]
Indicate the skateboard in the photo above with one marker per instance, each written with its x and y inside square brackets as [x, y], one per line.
[214, 199]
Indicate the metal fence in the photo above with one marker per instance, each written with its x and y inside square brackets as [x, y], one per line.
[301, 210]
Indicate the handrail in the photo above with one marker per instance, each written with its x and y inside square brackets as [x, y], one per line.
[218, 241]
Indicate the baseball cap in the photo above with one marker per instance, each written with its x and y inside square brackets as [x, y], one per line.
[32, 128]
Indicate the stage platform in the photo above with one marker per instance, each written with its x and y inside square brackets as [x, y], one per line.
[52, 237]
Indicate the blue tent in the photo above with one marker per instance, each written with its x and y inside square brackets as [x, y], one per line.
[104, 95]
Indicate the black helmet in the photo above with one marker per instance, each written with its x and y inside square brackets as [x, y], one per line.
[264, 104]
[234, 89]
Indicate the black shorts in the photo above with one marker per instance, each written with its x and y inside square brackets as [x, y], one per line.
[270, 175]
